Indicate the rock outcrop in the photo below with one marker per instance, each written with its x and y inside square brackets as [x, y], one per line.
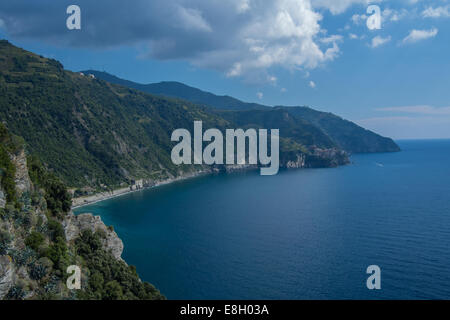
[331, 157]
[22, 178]
[2, 199]
[299, 162]
[12, 273]
[6, 275]
[74, 224]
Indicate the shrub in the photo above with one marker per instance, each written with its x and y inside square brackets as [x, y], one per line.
[34, 240]
[57, 197]
[57, 253]
[7, 174]
[55, 229]
[23, 257]
[15, 293]
[37, 271]
[113, 291]
[122, 281]
[5, 239]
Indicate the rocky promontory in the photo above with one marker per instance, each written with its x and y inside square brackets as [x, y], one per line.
[74, 225]
[40, 238]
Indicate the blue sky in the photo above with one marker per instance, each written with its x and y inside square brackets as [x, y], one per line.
[320, 53]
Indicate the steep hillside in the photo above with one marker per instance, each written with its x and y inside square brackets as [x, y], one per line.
[290, 126]
[90, 132]
[345, 134]
[179, 90]
[40, 238]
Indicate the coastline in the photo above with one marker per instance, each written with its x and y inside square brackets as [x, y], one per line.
[103, 196]
[79, 202]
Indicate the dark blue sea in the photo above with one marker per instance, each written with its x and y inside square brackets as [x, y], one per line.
[302, 234]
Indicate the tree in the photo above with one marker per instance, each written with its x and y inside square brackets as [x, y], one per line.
[34, 240]
[113, 291]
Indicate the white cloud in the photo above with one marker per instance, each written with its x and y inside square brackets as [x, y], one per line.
[241, 38]
[312, 84]
[260, 95]
[418, 35]
[386, 16]
[394, 15]
[379, 41]
[411, 122]
[192, 19]
[243, 6]
[428, 110]
[359, 18]
[235, 71]
[272, 79]
[283, 33]
[438, 12]
[339, 6]
[331, 39]
[408, 127]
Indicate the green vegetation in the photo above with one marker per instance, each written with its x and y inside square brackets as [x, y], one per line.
[295, 131]
[7, 171]
[110, 279]
[33, 238]
[5, 239]
[344, 134]
[8, 144]
[87, 131]
[179, 90]
[57, 252]
[56, 195]
[94, 135]
[347, 135]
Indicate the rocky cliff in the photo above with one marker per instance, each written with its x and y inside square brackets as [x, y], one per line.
[2, 199]
[105, 136]
[22, 179]
[40, 237]
[74, 226]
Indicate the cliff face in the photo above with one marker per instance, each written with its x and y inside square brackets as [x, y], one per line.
[2, 199]
[330, 157]
[7, 275]
[74, 226]
[22, 179]
[299, 162]
[345, 134]
[14, 256]
[87, 131]
[105, 136]
[315, 158]
[39, 240]
[14, 275]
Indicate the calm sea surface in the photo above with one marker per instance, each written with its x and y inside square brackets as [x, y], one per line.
[302, 234]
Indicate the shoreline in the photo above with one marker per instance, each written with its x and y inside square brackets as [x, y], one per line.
[103, 196]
